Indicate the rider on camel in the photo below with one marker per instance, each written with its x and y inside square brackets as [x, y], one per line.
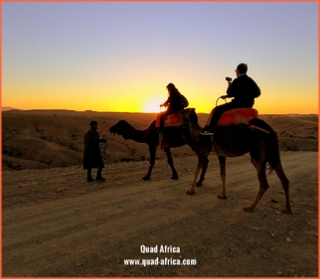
[243, 89]
[175, 102]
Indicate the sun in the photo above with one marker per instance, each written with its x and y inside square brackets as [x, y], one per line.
[153, 105]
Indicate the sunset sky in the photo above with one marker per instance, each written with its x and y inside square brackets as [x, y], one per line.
[116, 56]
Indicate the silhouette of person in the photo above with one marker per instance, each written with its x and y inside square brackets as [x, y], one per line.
[175, 102]
[92, 157]
[243, 90]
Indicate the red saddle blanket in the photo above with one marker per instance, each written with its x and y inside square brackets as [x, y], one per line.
[235, 116]
[174, 119]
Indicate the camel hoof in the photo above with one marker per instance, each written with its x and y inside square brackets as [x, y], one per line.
[224, 197]
[288, 211]
[175, 177]
[248, 209]
[145, 178]
[191, 192]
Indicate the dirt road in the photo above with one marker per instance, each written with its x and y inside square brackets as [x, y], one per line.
[56, 224]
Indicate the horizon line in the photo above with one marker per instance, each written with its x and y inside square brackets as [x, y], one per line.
[88, 110]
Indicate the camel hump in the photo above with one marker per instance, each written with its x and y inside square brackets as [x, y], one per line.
[171, 120]
[238, 116]
[235, 116]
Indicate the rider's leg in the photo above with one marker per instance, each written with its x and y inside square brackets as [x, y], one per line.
[218, 111]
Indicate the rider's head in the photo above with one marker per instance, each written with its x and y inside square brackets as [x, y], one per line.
[241, 69]
[94, 125]
[171, 88]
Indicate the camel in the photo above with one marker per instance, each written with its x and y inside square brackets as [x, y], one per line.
[151, 138]
[255, 137]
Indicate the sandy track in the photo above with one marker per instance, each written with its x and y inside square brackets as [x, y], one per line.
[56, 224]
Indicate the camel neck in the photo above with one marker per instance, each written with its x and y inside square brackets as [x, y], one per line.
[195, 130]
[136, 135]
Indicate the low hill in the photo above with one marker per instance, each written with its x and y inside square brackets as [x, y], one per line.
[6, 108]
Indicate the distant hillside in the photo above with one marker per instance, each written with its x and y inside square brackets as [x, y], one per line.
[54, 138]
[6, 108]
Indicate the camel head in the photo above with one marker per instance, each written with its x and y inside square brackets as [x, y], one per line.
[192, 120]
[121, 128]
[191, 116]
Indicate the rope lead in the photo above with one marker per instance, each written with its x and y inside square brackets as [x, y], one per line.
[252, 127]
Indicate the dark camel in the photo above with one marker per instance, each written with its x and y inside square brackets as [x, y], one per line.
[151, 138]
[236, 140]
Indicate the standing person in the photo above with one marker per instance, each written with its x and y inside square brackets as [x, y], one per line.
[175, 102]
[243, 89]
[91, 156]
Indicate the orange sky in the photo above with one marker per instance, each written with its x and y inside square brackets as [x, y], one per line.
[93, 59]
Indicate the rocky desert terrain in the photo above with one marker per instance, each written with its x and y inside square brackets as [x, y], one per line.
[54, 138]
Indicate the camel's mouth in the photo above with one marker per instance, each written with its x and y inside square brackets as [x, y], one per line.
[114, 130]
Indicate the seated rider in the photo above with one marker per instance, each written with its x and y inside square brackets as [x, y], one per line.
[175, 102]
[243, 89]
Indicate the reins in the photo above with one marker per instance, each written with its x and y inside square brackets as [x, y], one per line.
[103, 147]
[219, 99]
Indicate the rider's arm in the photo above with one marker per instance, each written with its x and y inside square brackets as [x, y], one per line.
[226, 96]
[232, 88]
[256, 92]
[166, 103]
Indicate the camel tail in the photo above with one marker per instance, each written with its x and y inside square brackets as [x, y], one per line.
[270, 143]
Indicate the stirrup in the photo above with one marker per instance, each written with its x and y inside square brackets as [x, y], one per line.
[206, 133]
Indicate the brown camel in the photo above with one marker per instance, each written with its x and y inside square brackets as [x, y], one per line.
[151, 138]
[256, 137]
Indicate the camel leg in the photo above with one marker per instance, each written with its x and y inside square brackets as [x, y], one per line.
[201, 162]
[285, 185]
[152, 152]
[170, 162]
[254, 163]
[261, 170]
[222, 163]
[203, 172]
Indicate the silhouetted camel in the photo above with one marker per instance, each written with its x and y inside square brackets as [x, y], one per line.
[237, 140]
[151, 138]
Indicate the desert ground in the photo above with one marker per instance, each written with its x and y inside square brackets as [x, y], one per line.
[55, 224]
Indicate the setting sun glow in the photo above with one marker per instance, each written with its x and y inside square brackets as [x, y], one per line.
[119, 57]
[153, 105]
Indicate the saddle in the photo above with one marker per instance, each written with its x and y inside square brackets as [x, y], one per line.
[171, 137]
[235, 116]
[171, 120]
